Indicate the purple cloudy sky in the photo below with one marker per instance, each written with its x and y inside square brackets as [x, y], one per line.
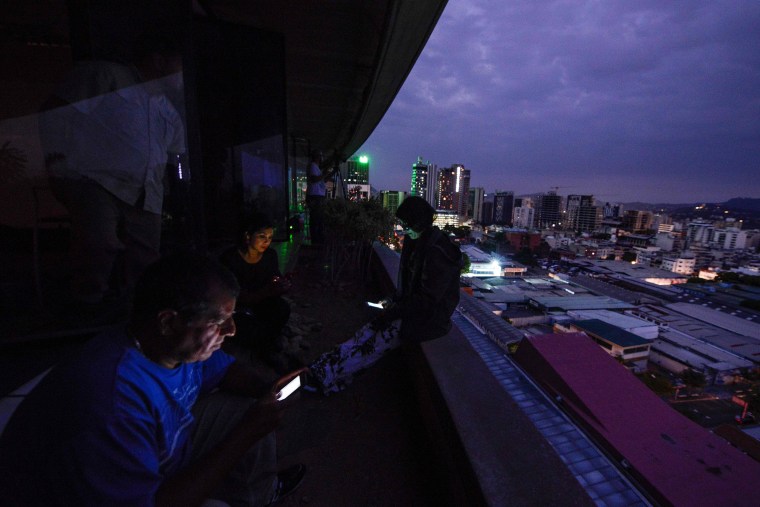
[651, 100]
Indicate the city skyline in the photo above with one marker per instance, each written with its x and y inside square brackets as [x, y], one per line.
[646, 102]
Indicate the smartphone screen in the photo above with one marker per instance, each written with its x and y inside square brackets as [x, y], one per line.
[289, 388]
[374, 305]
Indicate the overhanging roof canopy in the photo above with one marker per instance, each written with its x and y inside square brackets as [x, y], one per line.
[345, 60]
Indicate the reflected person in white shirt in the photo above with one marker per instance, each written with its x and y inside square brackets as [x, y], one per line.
[107, 133]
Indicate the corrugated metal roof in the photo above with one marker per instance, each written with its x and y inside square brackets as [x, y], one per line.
[610, 333]
[584, 302]
[679, 462]
[718, 318]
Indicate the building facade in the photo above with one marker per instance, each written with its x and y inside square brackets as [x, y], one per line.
[487, 213]
[523, 217]
[637, 220]
[581, 213]
[424, 180]
[475, 206]
[680, 265]
[357, 178]
[453, 189]
[503, 204]
[549, 210]
[391, 199]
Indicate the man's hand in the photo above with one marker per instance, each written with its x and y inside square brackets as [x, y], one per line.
[263, 417]
[326, 175]
[282, 381]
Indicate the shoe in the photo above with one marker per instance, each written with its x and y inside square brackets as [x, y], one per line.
[288, 481]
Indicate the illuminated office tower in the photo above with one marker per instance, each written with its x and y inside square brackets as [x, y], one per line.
[453, 189]
[423, 180]
[357, 178]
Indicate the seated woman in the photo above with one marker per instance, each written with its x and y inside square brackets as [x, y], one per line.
[426, 296]
[261, 311]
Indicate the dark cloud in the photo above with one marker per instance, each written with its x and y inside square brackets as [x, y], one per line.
[642, 99]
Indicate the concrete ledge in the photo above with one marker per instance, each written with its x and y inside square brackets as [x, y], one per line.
[488, 450]
[489, 439]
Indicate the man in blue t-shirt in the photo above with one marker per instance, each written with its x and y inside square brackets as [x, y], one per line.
[132, 420]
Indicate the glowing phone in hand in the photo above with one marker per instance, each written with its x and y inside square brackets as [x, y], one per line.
[289, 388]
[375, 305]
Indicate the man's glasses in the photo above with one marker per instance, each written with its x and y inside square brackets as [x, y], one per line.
[220, 322]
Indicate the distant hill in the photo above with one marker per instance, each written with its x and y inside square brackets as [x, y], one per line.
[647, 206]
[734, 204]
[746, 209]
[743, 203]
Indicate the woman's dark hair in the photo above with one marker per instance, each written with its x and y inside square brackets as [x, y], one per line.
[253, 224]
[181, 282]
[416, 212]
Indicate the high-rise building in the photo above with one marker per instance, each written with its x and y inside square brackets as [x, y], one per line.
[357, 170]
[475, 206]
[487, 214]
[589, 218]
[637, 220]
[357, 178]
[699, 232]
[612, 210]
[523, 217]
[524, 214]
[729, 239]
[503, 204]
[453, 189]
[423, 180]
[391, 199]
[581, 215]
[549, 210]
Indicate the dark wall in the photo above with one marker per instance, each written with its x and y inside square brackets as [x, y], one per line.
[240, 90]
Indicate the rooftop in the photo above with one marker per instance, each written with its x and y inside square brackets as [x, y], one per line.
[677, 461]
[743, 346]
[717, 318]
[610, 332]
[581, 302]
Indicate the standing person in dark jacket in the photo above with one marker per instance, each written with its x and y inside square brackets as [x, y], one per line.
[420, 310]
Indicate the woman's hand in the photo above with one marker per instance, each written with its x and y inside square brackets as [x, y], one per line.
[279, 285]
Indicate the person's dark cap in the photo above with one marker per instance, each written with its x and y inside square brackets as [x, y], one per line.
[416, 212]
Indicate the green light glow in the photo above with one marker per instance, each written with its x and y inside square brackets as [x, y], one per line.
[363, 159]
